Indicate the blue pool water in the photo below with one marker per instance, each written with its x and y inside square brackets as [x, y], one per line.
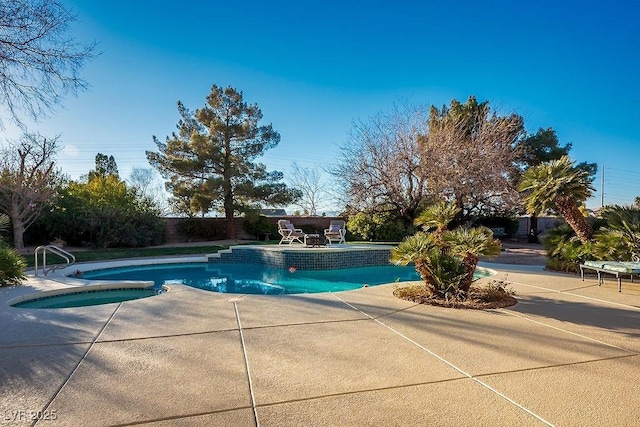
[83, 298]
[258, 279]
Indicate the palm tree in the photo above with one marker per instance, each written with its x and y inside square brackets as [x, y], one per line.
[620, 238]
[441, 272]
[415, 250]
[437, 216]
[559, 185]
[470, 244]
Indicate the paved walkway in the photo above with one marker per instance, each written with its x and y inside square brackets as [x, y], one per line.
[567, 354]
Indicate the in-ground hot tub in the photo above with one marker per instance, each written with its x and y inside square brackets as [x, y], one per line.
[82, 296]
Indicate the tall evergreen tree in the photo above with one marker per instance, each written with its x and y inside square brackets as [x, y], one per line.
[210, 160]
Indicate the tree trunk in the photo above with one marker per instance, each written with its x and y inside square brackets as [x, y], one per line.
[570, 211]
[18, 226]
[18, 235]
[532, 233]
[231, 225]
[470, 262]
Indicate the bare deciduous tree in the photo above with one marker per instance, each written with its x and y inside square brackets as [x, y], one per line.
[469, 156]
[407, 158]
[380, 162]
[27, 177]
[39, 61]
[148, 184]
[315, 194]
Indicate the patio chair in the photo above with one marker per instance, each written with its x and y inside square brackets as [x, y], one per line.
[288, 232]
[336, 232]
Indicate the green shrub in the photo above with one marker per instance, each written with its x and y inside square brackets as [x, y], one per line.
[619, 237]
[565, 252]
[202, 228]
[258, 225]
[12, 267]
[103, 212]
[377, 227]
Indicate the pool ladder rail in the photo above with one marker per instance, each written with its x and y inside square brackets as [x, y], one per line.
[67, 256]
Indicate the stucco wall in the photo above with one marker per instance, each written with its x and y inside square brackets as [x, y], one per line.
[307, 223]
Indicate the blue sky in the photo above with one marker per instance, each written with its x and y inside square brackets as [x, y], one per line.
[315, 67]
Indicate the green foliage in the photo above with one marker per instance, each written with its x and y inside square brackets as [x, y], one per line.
[565, 252]
[546, 182]
[12, 264]
[4, 225]
[541, 147]
[438, 216]
[202, 228]
[257, 225]
[377, 227]
[619, 236]
[617, 239]
[446, 260]
[103, 212]
[413, 248]
[610, 246]
[561, 186]
[105, 166]
[12, 267]
[444, 274]
[475, 241]
[210, 161]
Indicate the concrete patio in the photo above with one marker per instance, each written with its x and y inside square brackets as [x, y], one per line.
[567, 354]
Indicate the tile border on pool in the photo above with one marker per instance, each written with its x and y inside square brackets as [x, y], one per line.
[303, 258]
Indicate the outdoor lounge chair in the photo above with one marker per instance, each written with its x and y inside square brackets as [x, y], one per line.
[616, 268]
[336, 231]
[288, 232]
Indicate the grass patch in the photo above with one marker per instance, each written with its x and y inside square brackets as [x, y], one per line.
[84, 255]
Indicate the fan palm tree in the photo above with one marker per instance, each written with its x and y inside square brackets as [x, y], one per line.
[620, 238]
[441, 272]
[437, 216]
[559, 185]
[415, 250]
[470, 244]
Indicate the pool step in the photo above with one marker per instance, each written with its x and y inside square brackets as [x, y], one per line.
[221, 253]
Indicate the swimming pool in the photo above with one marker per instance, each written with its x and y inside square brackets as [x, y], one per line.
[259, 279]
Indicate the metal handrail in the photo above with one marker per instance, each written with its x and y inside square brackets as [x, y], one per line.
[68, 257]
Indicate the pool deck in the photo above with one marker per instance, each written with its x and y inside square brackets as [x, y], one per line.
[568, 354]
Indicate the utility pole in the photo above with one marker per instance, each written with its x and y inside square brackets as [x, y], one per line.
[602, 189]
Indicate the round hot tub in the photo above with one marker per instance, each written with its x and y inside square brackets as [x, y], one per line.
[89, 295]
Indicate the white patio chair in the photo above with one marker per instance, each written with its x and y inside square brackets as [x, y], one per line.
[289, 233]
[336, 232]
